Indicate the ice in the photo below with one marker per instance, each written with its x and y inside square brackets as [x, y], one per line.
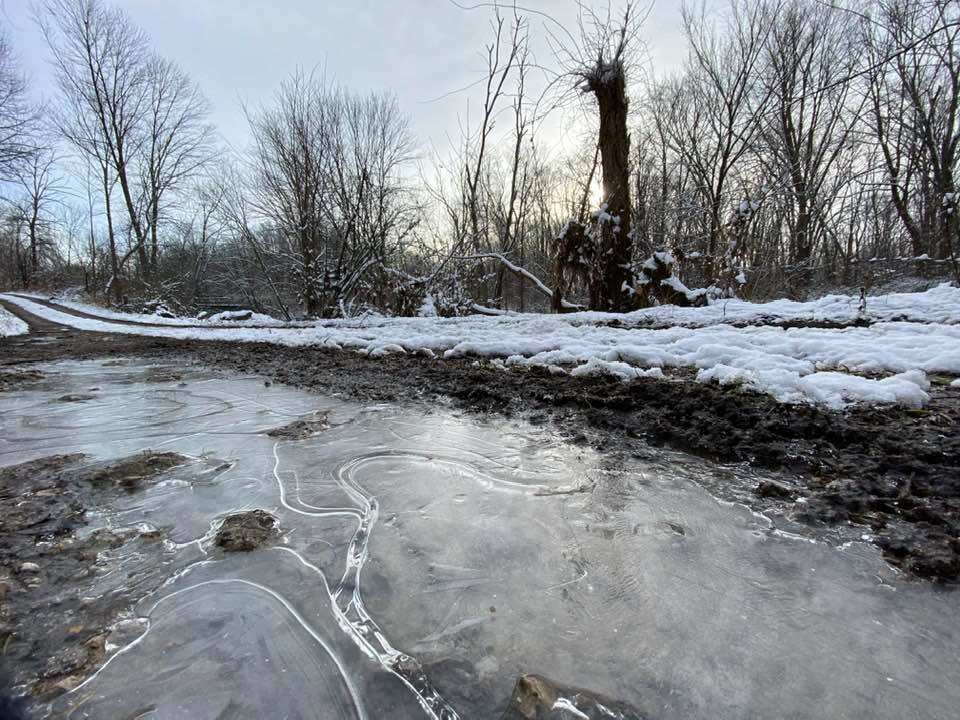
[478, 549]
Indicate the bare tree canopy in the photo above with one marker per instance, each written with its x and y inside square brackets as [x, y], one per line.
[16, 115]
[798, 141]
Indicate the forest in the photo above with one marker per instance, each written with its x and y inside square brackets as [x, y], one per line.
[803, 146]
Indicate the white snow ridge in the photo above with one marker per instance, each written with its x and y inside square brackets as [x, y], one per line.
[886, 361]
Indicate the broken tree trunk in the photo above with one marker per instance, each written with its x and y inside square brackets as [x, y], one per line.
[612, 274]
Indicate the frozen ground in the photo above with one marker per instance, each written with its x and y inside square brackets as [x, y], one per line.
[795, 352]
[458, 544]
[11, 325]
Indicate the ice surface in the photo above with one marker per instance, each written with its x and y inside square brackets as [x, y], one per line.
[481, 550]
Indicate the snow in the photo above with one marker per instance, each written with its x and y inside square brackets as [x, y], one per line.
[824, 366]
[603, 215]
[11, 325]
[427, 307]
[596, 366]
[231, 317]
[242, 317]
[834, 390]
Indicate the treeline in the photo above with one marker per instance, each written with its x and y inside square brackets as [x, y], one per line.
[798, 139]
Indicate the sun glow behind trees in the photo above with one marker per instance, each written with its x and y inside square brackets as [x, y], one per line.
[836, 126]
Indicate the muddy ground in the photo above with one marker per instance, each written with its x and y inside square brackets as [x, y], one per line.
[53, 623]
[894, 471]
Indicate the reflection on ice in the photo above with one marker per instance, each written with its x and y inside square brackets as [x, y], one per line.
[426, 560]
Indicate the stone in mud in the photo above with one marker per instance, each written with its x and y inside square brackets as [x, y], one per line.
[162, 375]
[246, 531]
[75, 397]
[537, 698]
[302, 428]
[771, 489]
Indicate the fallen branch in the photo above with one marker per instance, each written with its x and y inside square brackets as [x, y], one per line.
[521, 272]
[484, 310]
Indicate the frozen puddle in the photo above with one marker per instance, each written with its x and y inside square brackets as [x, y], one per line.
[427, 560]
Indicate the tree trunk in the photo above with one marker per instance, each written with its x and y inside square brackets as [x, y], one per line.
[34, 250]
[615, 241]
[111, 239]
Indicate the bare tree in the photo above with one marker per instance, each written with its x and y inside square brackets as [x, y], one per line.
[98, 60]
[15, 114]
[914, 96]
[327, 171]
[136, 116]
[811, 116]
[714, 111]
[40, 187]
[605, 45]
[177, 143]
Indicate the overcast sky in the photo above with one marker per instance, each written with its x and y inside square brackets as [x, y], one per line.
[240, 50]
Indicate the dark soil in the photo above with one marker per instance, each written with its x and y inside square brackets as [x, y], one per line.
[13, 379]
[303, 428]
[894, 470]
[51, 631]
[535, 698]
[132, 473]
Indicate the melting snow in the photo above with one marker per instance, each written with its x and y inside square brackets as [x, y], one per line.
[797, 364]
[11, 325]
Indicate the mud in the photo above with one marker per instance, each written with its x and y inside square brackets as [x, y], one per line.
[894, 472]
[302, 428]
[13, 379]
[132, 473]
[246, 531]
[538, 698]
[53, 626]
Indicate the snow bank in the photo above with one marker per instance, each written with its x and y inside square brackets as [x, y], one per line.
[11, 325]
[234, 318]
[242, 317]
[938, 305]
[793, 365]
[834, 390]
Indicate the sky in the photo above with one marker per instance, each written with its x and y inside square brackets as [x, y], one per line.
[239, 51]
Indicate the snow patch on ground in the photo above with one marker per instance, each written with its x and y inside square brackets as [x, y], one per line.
[11, 325]
[596, 366]
[800, 364]
[834, 390]
[233, 317]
